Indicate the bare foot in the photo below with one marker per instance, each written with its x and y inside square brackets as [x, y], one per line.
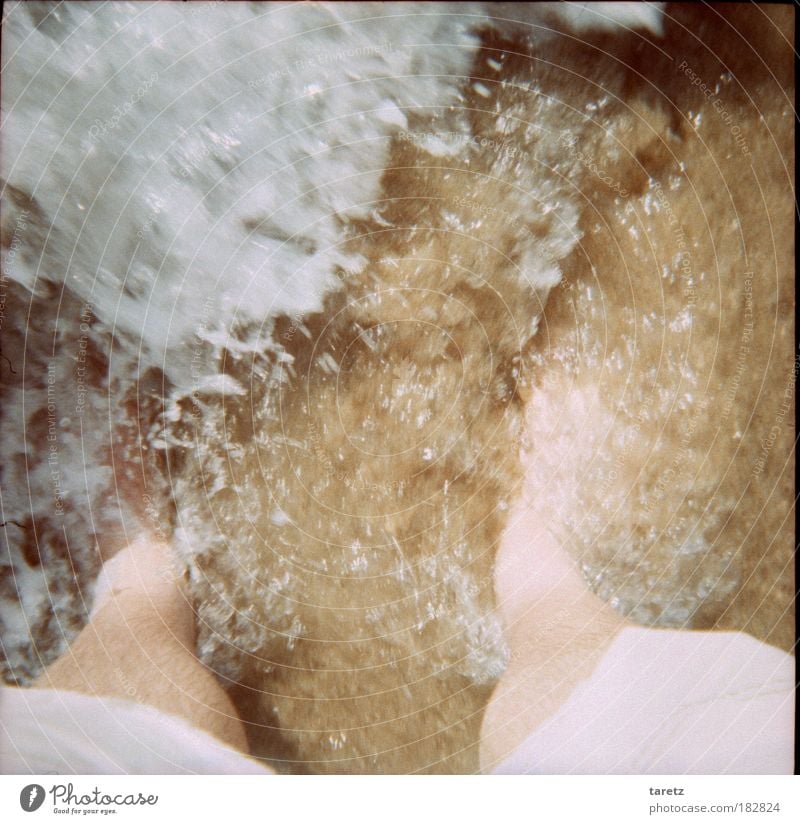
[147, 573]
[556, 628]
[139, 645]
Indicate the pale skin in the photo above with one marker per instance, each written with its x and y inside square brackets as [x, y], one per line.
[556, 629]
[139, 643]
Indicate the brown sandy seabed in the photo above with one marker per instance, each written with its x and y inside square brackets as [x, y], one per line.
[347, 508]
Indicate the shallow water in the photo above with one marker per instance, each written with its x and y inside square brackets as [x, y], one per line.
[589, 252]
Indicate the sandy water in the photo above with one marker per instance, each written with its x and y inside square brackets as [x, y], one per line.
[661, 381]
